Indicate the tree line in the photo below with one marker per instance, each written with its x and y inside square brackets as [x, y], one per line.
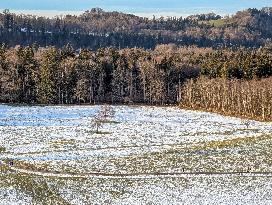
[96, 28]
[51, 75]
[63, 76]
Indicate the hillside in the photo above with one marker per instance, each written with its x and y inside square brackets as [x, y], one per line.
[96, 28]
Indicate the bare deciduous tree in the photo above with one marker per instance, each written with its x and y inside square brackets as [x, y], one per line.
[250, 99]
[104, 115]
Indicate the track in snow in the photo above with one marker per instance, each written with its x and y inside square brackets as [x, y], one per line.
[140, 175]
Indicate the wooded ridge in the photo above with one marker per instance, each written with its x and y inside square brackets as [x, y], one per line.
[96, 28]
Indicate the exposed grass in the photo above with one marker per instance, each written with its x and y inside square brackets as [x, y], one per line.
[218, 156]
[99, 132]
[231, 143]
[111, 122]
[29, 166]
[36, 187]
[237, 154]
[217, 23]
[63, 142]
[2, 149]
[102, 133]
[3, 168]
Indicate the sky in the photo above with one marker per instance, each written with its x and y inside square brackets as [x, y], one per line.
[139, 7]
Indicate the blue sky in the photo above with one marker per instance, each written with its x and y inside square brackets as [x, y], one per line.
[141, 7]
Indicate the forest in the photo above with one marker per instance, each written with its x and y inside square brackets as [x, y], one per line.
[206, 61]
[200, 78]
[97, 28]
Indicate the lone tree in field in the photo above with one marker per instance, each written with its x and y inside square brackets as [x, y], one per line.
[104, 115]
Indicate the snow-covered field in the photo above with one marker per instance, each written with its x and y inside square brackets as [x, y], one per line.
[138, 139]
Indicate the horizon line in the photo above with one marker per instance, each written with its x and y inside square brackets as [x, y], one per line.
[148, 14]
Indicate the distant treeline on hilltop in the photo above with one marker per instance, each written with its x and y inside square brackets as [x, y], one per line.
[96, 28]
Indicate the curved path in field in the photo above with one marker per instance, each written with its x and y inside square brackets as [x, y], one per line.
[138, 175]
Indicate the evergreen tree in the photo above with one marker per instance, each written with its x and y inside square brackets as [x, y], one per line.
[47, 84]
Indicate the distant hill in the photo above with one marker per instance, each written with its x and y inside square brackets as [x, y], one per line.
[96, 28]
